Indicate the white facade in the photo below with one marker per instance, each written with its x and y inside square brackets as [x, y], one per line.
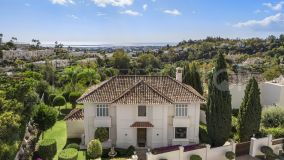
[270, 94]
[75, 128]
[162, 117]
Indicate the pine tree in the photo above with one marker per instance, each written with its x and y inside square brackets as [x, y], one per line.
[192, 77]
[218, 111]
[250, 112]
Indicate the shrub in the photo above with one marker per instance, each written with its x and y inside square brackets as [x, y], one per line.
[51, 98]
[59, 101]
[94, 149]
[45, 117]
[272, 117]
[73, 145]
[102, 134]
[47, 148]
[66, 95]
[230, 155]
[130, 151]
[195, 157]
[266, 150]
[73, 97]
[275, 132]
[68, 154]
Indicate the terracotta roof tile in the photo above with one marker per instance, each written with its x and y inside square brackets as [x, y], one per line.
[75, 114]
[142, 125]
[141, 89]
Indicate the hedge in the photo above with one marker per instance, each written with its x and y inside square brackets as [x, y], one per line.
[73, 145]
[47, 148]
[195, 157]
[68, 154]
[275, 132]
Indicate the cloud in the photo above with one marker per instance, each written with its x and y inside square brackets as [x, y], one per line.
[275, 7]
[131, 13]
[173, 12]
[73, 16]
[276, 20]
[116, 3]
[145, 7]
[62, 2]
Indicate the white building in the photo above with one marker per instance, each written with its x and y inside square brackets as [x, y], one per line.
[143, 111]
[271, 93]
[27, 55]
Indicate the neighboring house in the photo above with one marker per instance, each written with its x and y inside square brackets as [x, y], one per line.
[27, 55]
[143, 111]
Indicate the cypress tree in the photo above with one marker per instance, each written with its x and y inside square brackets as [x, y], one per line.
[250, 112]
[218, 109]
[196, 80]
[192, 77]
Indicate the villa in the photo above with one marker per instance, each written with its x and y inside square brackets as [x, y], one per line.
[143, 111]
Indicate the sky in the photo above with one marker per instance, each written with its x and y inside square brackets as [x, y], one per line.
[138, 21]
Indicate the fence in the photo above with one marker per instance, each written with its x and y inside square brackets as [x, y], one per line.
[184, 152]
[251, 148]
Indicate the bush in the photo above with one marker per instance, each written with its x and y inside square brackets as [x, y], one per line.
[102, 134]
[230, 155]
[73, 97]
[51, 98]
[68, 154]
[47, 148]
[73, 145]
[66, 95]
[45, 117]
[195, 157]
[94, 149]
[275, 132]
[266, 150]
[272, 117]
[59, 101]
[130, 151]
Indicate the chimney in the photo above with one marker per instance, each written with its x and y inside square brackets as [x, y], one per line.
[179, 74]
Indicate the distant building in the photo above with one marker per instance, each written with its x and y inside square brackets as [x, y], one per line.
[27, 55]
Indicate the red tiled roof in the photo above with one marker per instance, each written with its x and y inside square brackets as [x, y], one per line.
[142, 125]
[75, 114]
[141, 89]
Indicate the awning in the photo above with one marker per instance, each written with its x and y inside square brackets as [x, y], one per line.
[142, 125]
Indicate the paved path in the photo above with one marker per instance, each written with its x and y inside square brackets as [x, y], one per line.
[246, 157]
[141, 153]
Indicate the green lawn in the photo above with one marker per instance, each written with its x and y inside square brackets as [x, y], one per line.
[58, 132]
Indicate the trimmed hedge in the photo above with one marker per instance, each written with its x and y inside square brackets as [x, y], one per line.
[275, 132]
[68, 154]
[47, 148]
[230, 155]
[195, 157]
[73, 145]
[94, 149]
[102, 134]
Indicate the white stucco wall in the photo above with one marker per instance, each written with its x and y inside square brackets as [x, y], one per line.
[270, 94]
[75, 128]
[122, 116]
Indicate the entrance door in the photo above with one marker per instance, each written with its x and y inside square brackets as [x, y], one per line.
[141, 137]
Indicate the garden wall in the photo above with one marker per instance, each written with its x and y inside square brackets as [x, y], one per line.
[184, 152]
[75, 128]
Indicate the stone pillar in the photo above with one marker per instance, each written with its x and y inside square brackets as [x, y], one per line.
[269, 140]
[252, 151]
[207, 151]
[181, 149]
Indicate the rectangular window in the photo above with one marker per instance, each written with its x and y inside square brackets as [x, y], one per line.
[180, 132]
[102, 110]
[181, 110]
[141, 111]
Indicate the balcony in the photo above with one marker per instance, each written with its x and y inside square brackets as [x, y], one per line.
[181, 121]
[102, 122]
